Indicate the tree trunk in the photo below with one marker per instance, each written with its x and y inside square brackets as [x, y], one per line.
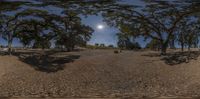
[10, 47]
[164, 49]
[69, 49]
[182, 47]
[172, 44]
[189, 46]
[73, 46]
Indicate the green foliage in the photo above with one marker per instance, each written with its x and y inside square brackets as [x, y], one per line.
[100, 46]
[96, 44]
[11, 5]
[189, 33]
[111, 46]
[91, 46]
[73, 34]
[43, 44]
[125, 42]
[153, 45]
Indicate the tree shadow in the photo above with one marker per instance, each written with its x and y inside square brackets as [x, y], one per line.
[3, 53]
[47, 61]
[180, 57]
[175, 58]
[152, 55]
[65, 50]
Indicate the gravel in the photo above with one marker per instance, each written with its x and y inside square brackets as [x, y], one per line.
[101, 74]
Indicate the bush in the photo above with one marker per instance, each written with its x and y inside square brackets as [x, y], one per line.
[111, 46]
[116, 51]
[91, 47]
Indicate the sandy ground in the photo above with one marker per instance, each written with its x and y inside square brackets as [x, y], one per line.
[101, 73]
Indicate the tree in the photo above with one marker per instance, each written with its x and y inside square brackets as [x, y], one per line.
[96, 44]
[157, 20]
[8, 24]
[127, 42]
[188, 35]
[111, 46]
[9, 29]
[102, 45]
[40, 29]
[15, 24]
[72, 32]
[153, 45]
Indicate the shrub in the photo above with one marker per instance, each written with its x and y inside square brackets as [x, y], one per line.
[116, 51]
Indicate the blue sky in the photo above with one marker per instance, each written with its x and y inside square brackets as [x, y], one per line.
[106, 35]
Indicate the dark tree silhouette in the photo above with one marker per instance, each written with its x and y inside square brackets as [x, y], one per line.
[157, 20]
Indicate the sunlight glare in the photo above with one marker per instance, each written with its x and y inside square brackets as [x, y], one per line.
[100, 27]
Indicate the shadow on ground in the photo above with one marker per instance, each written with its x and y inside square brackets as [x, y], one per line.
[46, 61]
[3, 53]
[175, 58]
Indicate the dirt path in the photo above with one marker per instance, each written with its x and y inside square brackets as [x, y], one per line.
[101, 73]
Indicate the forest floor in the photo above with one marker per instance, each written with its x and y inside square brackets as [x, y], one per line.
[99, 74]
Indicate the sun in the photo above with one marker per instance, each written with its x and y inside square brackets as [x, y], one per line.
[100, 27]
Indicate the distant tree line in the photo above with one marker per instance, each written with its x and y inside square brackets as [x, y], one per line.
[100, 46]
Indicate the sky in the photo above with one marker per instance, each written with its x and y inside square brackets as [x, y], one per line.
[107, 35]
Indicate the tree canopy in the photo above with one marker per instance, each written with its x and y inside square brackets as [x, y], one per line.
[157, 20]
